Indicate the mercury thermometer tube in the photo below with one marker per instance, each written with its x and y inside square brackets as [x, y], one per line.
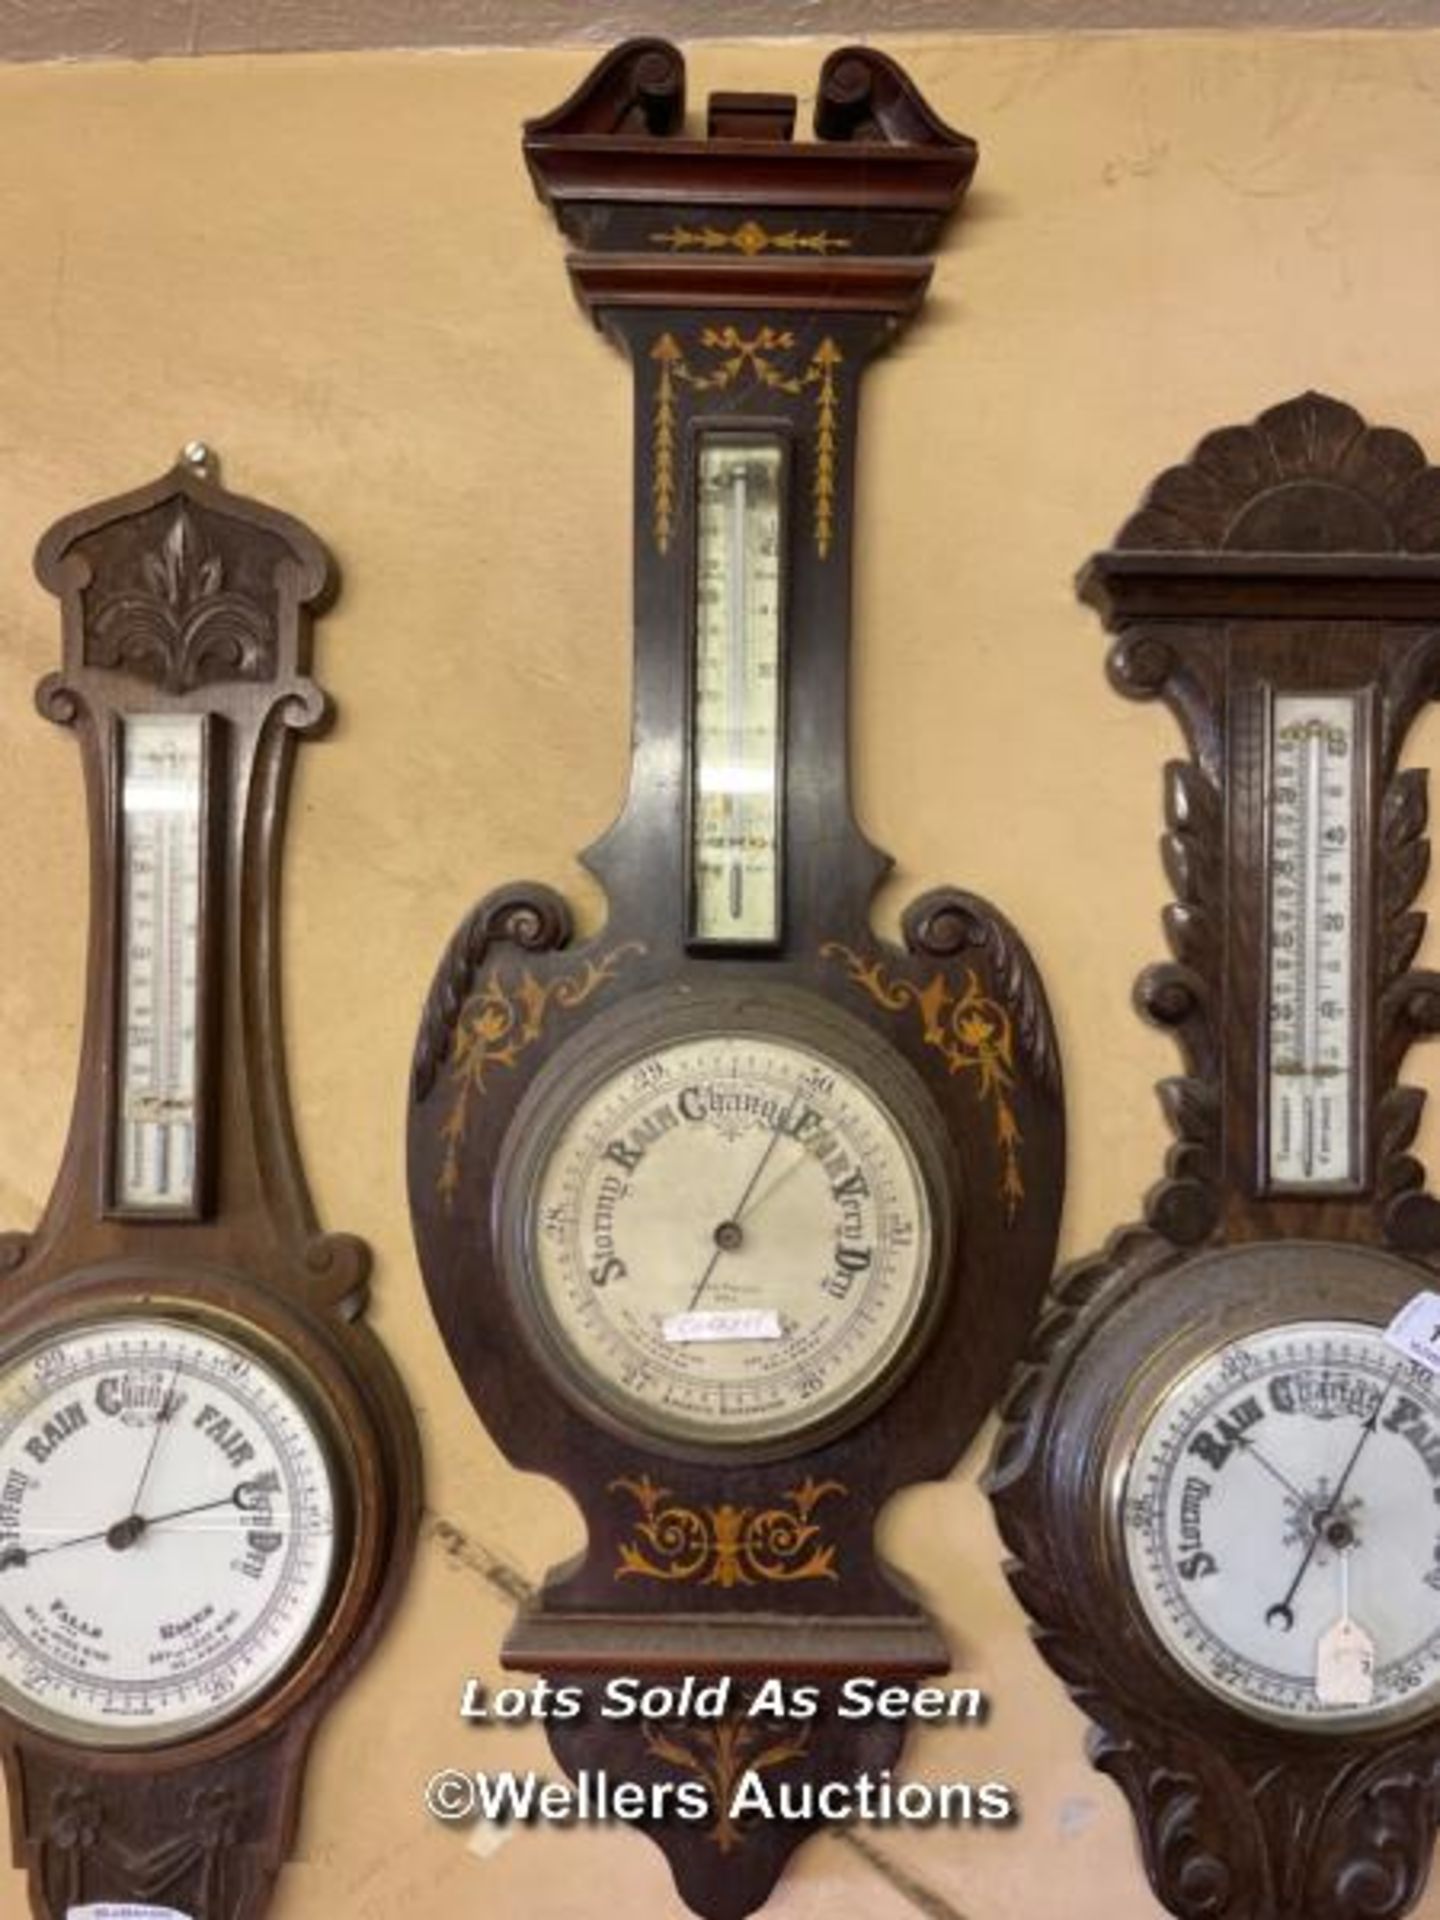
[1311, 910]
[162, 779]
[735, 724]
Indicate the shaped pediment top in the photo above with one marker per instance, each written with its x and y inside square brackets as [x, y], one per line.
[184, 585]
[1309, 476]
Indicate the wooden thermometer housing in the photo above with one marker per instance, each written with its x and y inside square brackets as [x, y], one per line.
[208, 1470]
[1218, 1476]
[734, 1216]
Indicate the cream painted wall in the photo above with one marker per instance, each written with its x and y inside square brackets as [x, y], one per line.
[333, 268]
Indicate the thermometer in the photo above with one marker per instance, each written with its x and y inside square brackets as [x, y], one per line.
[1314, 740]
[163, 772]
[734, 812]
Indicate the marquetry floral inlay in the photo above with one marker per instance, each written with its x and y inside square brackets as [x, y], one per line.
[721, 1755]
[971, 1031]
[722, 357]
[726, 1545]
[504, 1016]
[749, 238]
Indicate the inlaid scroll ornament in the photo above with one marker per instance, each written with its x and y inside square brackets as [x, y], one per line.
[726, 1545]
[971, 1031]
[502, 1019]
[721, 357]
[721, 1755]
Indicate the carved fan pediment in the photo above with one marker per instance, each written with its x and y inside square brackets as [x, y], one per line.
[1308, 476]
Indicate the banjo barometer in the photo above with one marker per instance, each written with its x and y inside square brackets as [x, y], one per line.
[208, 1470]
[1220, 1471]
[734, 1215]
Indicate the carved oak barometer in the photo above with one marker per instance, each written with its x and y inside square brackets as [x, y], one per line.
[1220, 1479]
[208, 1470]
[733, 1216]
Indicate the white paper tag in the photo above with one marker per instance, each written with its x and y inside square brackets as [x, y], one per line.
[1345, 1666]
[722, 1323]
[1415, 1330]
[124, 1910]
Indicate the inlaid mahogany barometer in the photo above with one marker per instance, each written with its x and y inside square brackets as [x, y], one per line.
[735, 1215]
[208, 1470]
[1220, 1471]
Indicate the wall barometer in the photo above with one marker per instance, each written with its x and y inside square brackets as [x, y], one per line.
[734, 1215]
[208, 1470]
[1218, 1475]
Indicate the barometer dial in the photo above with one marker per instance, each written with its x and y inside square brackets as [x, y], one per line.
[167, 1530]
[724, 1236]
[1281, 1516]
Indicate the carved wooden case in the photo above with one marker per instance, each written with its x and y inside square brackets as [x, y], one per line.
[749, 278]
[1300, 551]
[183, 598]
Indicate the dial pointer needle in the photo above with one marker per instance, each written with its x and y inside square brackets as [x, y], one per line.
[162, 1417]
[124, 1533]
[1283, 1611]
[1248, 1446]
[722, 1241]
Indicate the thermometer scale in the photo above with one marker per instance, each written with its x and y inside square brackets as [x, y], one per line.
[162, 795]
[1218, 1477]
[735, 803]
[1314, 742]
[209, 1476]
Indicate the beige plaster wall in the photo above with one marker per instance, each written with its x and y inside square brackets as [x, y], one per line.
[333, 268]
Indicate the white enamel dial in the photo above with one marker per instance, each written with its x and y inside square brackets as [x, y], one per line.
[736, 729]
[167, 1530]
[1315, 745]
[1281, 1514]
[728, 1237]
[161, 802]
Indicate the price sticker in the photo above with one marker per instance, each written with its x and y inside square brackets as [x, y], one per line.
[723, 1323]
[124, 1910]
[1415, 1331]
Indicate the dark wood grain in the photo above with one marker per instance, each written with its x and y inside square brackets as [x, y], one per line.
[205, 1822]
[1301, 551]
[749, 280]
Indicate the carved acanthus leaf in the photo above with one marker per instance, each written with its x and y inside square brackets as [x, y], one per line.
[179, 625]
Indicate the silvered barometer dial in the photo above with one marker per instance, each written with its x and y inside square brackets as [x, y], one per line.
[1281, 1515]
[167, 1529]
[208, 1469]
[1218, 1477]
[732, 1212]
[727, 1234]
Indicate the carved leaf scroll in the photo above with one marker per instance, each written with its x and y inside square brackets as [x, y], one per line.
[179, 624]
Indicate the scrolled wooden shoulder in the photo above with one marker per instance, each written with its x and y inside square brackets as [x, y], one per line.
[865, 95]
[946, 923]
[638, 88]
[527, 915]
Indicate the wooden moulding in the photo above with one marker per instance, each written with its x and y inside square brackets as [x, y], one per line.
[749, 280]
[181, 597]
[1301, 551]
